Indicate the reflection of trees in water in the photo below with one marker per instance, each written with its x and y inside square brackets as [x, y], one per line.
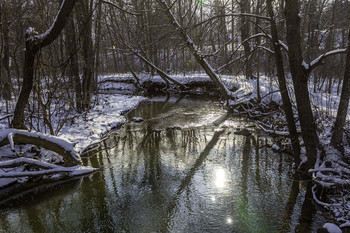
[243, 203]
[186, 181]
[263, 183]
[259, 190]
[300, 210]
[94, 191]
[171, 135]
[189, 140]
[35, 221]
[152, 163]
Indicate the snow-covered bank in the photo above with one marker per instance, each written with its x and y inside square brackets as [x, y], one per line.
[245, 89]
[81, 130]
[104, 116]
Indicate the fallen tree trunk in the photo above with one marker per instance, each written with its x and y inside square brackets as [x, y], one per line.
[52, 143]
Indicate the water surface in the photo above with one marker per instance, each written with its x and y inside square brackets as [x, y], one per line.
[183, 169]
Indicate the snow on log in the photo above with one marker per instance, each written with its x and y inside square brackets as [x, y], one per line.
[55, 144]
[73, 171]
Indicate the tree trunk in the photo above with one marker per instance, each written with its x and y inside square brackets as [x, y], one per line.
[87, 52]
[338, 129]
[27, 84]
[5, 67]
[97, 45]
[33, 44]
[287, 106]
[55, 144]
[193, 48]
[300, 81]
[73, 67]
[245, 8]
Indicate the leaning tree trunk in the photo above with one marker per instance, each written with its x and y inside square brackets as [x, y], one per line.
[300, 81]
[287, 106]
[194, 50]
[28, 70]
[33, 44]
[338, 129]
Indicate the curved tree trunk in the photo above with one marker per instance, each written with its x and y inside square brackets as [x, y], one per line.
[55, 144]
[33, 44]
[27, 84]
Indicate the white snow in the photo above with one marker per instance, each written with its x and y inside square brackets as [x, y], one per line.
[64, 143]
[105, 115]
[332, 228]
[330, 53]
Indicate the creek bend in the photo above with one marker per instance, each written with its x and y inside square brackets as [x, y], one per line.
[183, 169]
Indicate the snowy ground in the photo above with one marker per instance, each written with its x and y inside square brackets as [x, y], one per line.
[106, 114]
[81, 130]
[246, 88]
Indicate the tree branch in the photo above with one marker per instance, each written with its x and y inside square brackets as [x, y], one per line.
[319, 60]
[120, 8]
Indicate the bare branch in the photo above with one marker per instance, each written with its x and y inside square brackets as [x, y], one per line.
[319, 60]
[230, 15]
[120, 8]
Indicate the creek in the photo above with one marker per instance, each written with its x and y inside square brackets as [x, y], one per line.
[187, 167]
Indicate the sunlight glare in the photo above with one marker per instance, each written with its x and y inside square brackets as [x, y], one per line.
[220, 178]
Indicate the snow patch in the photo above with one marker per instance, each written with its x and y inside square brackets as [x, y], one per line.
[332, 228]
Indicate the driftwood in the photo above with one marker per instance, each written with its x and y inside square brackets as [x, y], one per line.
[52, 143]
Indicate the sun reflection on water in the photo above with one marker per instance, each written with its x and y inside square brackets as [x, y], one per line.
[220, 179]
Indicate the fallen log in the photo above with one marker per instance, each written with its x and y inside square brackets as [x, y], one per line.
[52, 143]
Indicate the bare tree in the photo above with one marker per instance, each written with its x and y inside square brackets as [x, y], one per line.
[338, 129]
[33, 44]
[287, 105]
[300, 81]
[245, 31]
[5, 75]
